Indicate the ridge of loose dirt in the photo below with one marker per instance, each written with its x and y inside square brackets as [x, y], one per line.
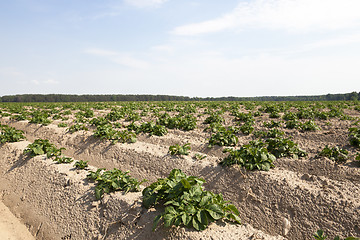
[310, 193]
[58, 203]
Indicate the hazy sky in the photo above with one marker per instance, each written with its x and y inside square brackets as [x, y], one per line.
[180, 47]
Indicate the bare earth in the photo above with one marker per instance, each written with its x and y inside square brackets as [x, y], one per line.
[291, 201]
[10, 226]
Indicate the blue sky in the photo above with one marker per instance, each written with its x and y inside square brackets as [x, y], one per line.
[189, 47]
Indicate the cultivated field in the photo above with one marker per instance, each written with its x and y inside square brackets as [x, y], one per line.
[287, 169]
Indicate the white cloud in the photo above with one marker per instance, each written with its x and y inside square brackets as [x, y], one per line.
[332, 42]
[145, 3]
[290, 15]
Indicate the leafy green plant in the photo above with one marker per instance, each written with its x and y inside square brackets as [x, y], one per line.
[214, 117]
[63, 159]
[274, 114]
[214, 127]
[81, 164]
[43, 146]
[186, 203]
[224, 137]
[284, 147]
[10, 134]
[354, 136]
[39, 147]
[77, 127]
[40, 118]
[309, 126]
[179, 150]
[100, 121]
[153, 129]
[113, 180]
[291, 124]
[272, 124]
[252, 156]
[290, 116]
[62, 125]
[247, 128]
[335, 153]
[185, 123]
[199, 156]
[320, 235]
[272, 133]
[108, 132]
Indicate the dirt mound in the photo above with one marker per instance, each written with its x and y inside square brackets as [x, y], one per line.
[57, 202]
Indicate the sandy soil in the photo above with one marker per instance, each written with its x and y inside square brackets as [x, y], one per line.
[10, 226]
[293, 200]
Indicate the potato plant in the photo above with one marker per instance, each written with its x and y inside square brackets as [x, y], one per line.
[10, 134]
[320, 235]
[336, 153]
[223, 137]
[354, 136]
[113, 180]
[186, 202]
[81, 164]
[252, 156]
[179, 150]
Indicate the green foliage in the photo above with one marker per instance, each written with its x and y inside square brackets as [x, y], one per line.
[99, 121]
[272, 133]
[272, 124]
[305, 114]
[186, 203]
[354, 136]
[320, 235]
[199, 156]
[224, 137]
[10, 134]
[247, 128]
[309, 126]
[113, 180]
[62, 125]
[214, 117]
[185, 123]
[115, 114]
[19, 117]
[39, 147]
[335, 153]
[63, 159]
[284, 147]
[40, 118]
[77, 127]
[43, 146]
[274, 115]
[291, 124]
[244, 117]
[87, 113]
[81, 164]
[153, 129]
[290, 116]
[133, 116]
[179, 150]
[108, 132]
[252, 156]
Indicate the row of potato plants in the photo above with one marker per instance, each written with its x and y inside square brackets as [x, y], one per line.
[186, 202]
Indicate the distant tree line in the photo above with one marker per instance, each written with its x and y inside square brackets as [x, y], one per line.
[118, 98]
